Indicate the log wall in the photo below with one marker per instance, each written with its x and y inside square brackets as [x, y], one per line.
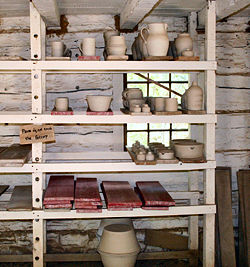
[232, 130]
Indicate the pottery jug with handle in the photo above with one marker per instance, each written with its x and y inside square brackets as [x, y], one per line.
[157, 42]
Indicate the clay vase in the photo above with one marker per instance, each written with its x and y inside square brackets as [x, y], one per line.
[183, 42]
[108, 34]
[194, 97]
[116, 46]
[157, 42]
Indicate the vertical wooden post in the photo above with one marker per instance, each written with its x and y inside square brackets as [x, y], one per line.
[209, 138]
[38, 47]
[38, 225]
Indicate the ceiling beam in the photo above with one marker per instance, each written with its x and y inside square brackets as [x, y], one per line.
[224, 9]
[48, 9]
[134, 11]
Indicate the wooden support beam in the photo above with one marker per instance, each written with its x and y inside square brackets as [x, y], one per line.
[225, 8]
[48, 9]
[134, 11]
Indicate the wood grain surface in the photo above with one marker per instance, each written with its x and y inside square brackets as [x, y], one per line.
[120, 194]
[225, 244]
[21, 198]
[154, 194]
[60, 188]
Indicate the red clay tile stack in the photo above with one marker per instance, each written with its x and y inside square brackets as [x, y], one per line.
[120, 196]
[59, 193]
[87, 197]
[154, 196]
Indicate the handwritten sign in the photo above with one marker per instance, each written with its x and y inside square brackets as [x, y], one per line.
[30, 134]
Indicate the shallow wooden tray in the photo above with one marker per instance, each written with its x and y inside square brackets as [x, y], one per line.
[154, 58]
[117, 58]
[15, 155]
[21, 198]
[89, 58]
[138, 162]
[127, 112]
[194, 112]
[58, 58]
[167, 112]
[182, 58]
[194, 160]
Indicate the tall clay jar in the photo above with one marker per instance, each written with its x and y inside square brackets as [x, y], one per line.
[183, 42]
[194, 97]
[157, 42]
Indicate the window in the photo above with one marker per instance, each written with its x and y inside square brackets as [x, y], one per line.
[156, 132]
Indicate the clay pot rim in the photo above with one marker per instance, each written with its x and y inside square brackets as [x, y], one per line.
[189, 144]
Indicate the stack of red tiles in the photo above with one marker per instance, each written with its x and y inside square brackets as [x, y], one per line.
[120, 196]
[154, 196]
[87, 197]
[59, 193]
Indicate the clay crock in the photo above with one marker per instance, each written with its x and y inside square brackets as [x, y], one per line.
[189, 151]
[183, 42]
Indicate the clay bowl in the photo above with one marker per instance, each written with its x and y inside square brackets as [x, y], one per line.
[121, 260]
[118, 239]
[105, 222]
[189, 151]
[166, 154]
[99, 103]
[181, 141]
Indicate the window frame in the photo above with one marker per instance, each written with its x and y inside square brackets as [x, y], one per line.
[148, 130]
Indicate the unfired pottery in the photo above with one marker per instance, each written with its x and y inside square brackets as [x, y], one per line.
[150, 156]
[62, 104]
[116, 46]
[141, 156]
[187, 53]
[171, 104]
[135, 108]
[108, 34]
[142, 44]
[194, 97]
[145, 108]
[88, 47]
[118, 239]
[121, 260]
[159, 103]
[183, 42]
[157, 42]
[57, 49]
[188, 151]
[166, 154]
[129, 93]
[99, 103]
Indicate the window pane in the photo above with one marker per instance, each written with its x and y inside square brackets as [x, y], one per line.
[162, 137]
[133, 136]
[137, 126]
[157, 91]
[180, 88]
[159, 126]
[159, 76]
[143, 87]
[180, 135]
[179, 77]
[180, 126]
[134, 77]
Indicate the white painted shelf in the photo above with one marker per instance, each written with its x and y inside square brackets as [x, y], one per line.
[106, 66]
[72, 214]
[105, 167]
[117, 118]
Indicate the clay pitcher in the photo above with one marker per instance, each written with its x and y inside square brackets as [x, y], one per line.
[157, 42]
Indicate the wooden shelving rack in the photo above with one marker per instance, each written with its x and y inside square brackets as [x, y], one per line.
[38, 68]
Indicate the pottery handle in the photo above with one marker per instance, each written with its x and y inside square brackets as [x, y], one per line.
[125, 92]
[141, 32]
[80, 48]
